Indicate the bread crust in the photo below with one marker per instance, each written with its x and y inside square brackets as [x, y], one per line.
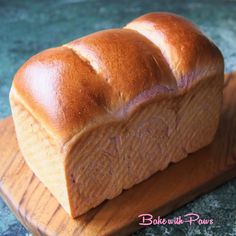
[96, 78]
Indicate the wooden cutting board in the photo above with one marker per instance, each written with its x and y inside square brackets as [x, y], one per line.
[167, 190]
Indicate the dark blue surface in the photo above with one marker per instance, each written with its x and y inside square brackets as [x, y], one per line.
[28, 27]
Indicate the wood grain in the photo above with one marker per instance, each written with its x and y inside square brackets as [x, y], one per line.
[167, 190]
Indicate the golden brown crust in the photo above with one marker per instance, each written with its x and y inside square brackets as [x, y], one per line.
[189, 53]
[69, 87]
[57, 91]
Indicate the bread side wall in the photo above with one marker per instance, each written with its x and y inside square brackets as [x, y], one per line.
[40, 152]
[117, 156]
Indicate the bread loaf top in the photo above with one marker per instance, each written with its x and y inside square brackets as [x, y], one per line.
[105, 76]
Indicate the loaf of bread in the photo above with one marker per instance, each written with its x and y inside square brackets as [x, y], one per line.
[104, 112]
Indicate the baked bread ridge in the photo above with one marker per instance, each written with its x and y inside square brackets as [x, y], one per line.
[94, 70]
[189, 53]
[94, 82]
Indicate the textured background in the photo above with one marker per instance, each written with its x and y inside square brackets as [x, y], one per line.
[28, 27]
